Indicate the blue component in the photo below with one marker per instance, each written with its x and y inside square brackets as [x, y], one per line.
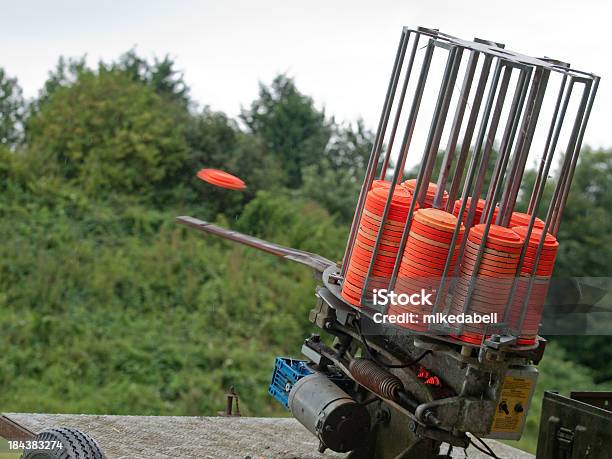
[286, 373]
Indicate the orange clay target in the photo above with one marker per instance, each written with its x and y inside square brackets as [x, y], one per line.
[221, 179]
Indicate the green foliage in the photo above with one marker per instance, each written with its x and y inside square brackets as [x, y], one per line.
[217, 142]
[108, 306]
[586, 228]
[161, 75]
[292, 129]
[125, 312]
[106, 133]
[12, 108]
[335, 181]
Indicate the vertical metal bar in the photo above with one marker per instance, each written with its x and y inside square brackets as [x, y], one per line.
[439, 118]
[402, 159]
[472, 168]
[456, 128]
[469, 131]
[380, 134]
[507, 140]
[416, 105]
[504, 153]
[523, 145]
[405, 146]
[477, 159]
[400, 105]
[483, 164]
[549, 150]
[552, 208]
[570, 157]
[542, 175]
[585, 121]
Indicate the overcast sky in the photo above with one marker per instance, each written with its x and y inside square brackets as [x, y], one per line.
[339, 52]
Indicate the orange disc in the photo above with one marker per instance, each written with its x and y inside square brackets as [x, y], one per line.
[373, 237]
[421, 230]
[362, 271]
[367, 253]
[362, 240]
[498, 247]
[400, 218]
[507, 263]
[380, 206]
[420, 245]
[521, 219]
[378, 265]
[385, 235]
[432, 230]
[401, 196]
[359, 281]
[377, 219]
[437, 218]
[387, 230]
[438, 261]
[550, 242]
[492, 267]
[408, 263]
[221, 179]
[498, 235]
[475, 247]
[365, 261]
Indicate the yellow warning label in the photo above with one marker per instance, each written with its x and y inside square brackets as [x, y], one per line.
[512, 404]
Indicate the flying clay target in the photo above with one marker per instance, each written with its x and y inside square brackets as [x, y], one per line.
[221, 179]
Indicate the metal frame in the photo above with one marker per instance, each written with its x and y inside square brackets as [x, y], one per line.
[531, 78]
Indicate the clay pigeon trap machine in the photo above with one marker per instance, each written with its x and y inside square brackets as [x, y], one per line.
[468, 234]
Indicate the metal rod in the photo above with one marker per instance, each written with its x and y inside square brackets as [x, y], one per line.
[487, 151]
[383, 172]
[371, 169]
[399, 170]
[416, 105]
[571, 157]
[549, 149]
[572, 143]
[455, 129]
[469, 132]
[523, 145]
[507, 141]
[405, 146]
[555, 127]
[586, 117]
[439, 117]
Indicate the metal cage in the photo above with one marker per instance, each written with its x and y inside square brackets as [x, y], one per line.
[507, 106]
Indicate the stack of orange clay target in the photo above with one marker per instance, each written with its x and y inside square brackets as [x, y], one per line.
[480, 205]
[493, 279]
[432, 189]
[539, 286]
[427, 248]
[521, 219]
[363, 248]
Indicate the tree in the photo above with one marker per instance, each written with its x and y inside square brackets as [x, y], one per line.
[66, 73]
[106, 133]
[217, 142]
[12, 108]
[585, 248]
[335, 181]
[161, 75]
[292, 129]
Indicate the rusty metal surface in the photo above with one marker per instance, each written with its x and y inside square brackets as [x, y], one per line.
[599, 399]
[316, 262]
[11, 430]
[138, 437]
